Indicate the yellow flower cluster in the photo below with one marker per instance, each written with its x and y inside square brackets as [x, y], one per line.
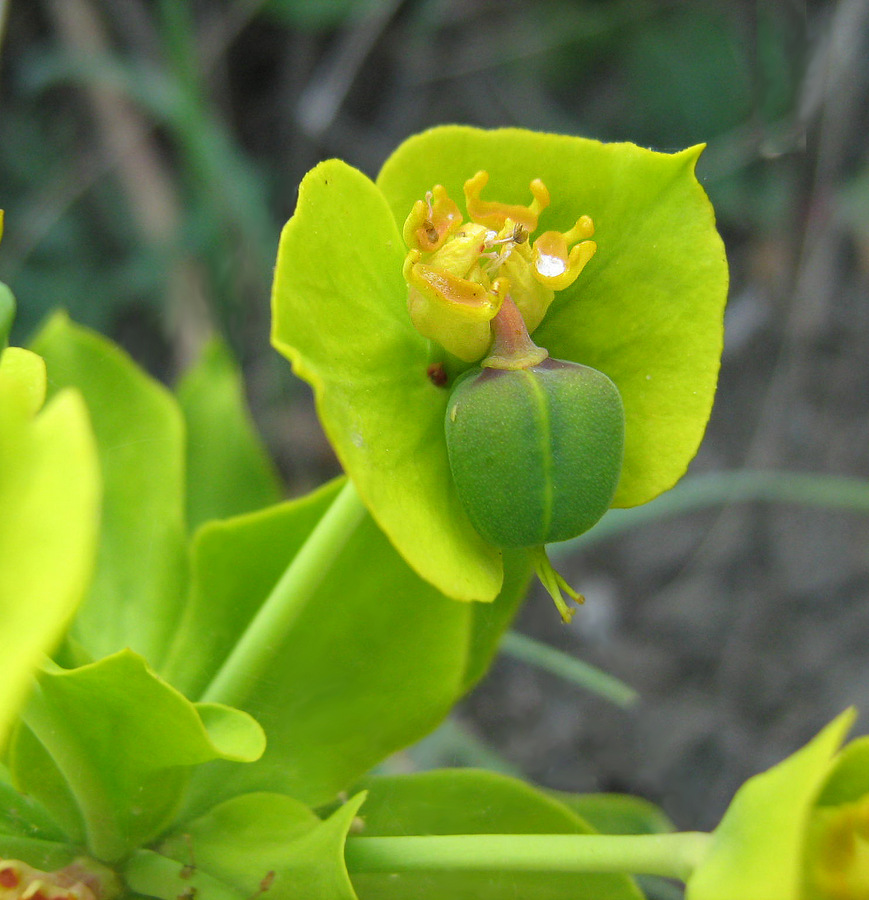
[460, 273]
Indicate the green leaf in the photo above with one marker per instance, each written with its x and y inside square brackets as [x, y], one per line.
[849, 779]
[374, 661]
[49, 508]
[45, 855]
[7, 314]
[647, 310]
[108, 747]
[250, 841]
[22, 816]
[758, 849]
[22, 374]
[617, 813]
[228, 469]
[234, 565]
[140, 579]
[339, 314]
[468, 801]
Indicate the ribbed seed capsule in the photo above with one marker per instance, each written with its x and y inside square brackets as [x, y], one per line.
[535, 453]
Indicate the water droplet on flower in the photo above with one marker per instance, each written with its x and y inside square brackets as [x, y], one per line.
[550, 266]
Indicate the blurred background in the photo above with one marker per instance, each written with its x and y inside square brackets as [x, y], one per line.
[150, 151]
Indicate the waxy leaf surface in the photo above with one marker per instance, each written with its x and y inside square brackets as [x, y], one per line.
[228, 470]
[49, 515]
[140, 579]
[617, 813]
[468, 801]
[107, 749]
[245, 840]
[374, 661]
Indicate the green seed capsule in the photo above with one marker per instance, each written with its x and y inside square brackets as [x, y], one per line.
[535, 453]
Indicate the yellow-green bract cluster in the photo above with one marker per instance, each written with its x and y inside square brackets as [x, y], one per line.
[799, 831]
[646, 312]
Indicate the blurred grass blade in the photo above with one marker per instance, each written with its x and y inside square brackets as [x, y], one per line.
[586, 676]
[832, 492]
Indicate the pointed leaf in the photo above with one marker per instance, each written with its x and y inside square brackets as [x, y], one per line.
[228, 470]
[849, 779]
[142, 556]
[251, 840]
[49, 507]
[468, 801]
[108, 748]
[339, 310]
[758, 848]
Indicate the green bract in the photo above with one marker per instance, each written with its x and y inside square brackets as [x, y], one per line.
[797, 831]
[646, 311]
[49, 512]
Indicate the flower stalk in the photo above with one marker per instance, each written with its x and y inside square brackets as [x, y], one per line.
[666, 855]
[254, 650]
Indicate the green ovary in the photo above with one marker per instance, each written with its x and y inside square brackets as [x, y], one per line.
[535, 453]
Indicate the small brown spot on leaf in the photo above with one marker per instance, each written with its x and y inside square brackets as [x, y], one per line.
[437, 374]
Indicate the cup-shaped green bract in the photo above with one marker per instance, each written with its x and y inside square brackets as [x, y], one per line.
[536, 452]
[646, 310]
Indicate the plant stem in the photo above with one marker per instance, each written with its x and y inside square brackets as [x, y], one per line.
[252, 654]
[512, 347]
[668, 855]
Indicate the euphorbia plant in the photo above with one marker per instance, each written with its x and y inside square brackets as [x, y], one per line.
[381, 322]
[237, 664]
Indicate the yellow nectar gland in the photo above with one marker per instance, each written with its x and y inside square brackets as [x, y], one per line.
[839, 856]
[460, 274]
